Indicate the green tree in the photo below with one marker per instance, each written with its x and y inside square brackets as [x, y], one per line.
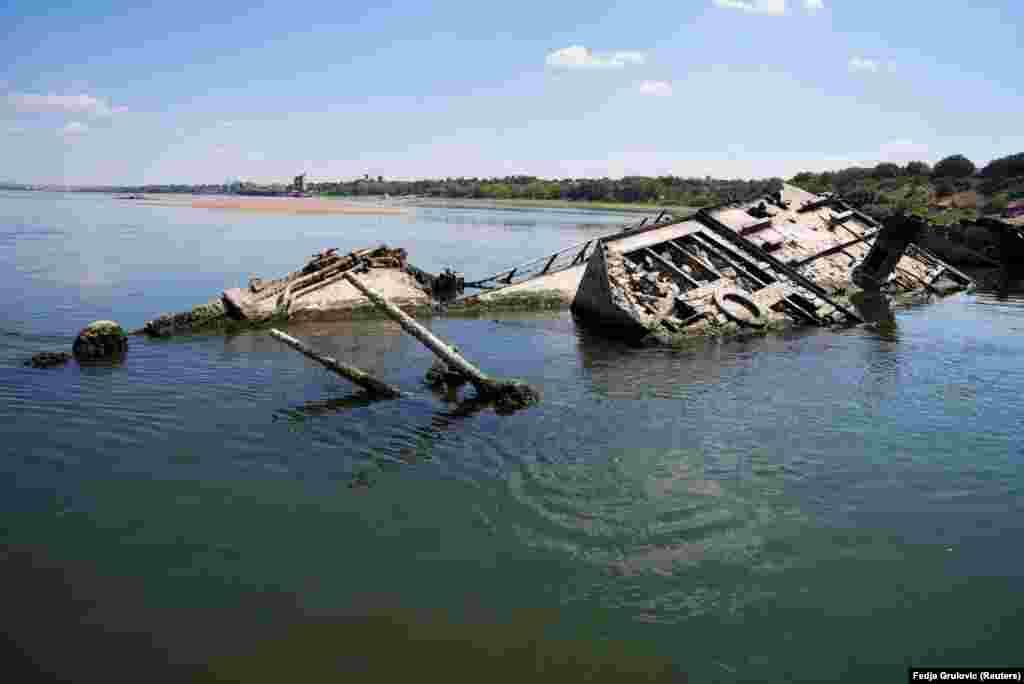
[955, 166]
[886, 170]
[918, 168]
[1004, 167]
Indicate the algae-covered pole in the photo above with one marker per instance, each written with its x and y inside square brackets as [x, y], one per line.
[508, 393]
[359, 377]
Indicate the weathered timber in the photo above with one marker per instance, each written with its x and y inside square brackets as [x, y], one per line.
[355, 375]
[913, 276]
[509, 394]
[328, 266]
[311, 288]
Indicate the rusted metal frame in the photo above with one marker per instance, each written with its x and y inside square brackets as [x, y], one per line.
[721, 252]
[579, 257]
[672, 267]
[723, 231]
[689, 320]
[832, 250]
[733, 259]
[504, 275]
[550, 261]
[693, 258]
[927, 284]
[936, 259]
[818, 204]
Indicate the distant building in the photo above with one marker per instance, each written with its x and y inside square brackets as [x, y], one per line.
[299, 184]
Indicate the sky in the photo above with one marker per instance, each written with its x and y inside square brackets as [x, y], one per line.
[205, 92]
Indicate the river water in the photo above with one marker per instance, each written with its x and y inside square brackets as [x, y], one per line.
[807, 507]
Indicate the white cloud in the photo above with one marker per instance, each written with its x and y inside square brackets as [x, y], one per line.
[656, 88]
[863, 64]
[225, 124]
[579, 57]
[73, 130]
[814, 5]
[773, 7]
[77, 104]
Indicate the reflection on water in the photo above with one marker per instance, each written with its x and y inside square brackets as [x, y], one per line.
[740, 511]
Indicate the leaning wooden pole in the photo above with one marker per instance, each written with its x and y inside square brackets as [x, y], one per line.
[359, 377]
[511, 393]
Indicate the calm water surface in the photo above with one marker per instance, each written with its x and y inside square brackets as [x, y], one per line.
[816, 506]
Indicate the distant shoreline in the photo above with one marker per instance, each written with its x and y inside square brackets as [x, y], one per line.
[378, 204]
[374, 204]
[482, 203]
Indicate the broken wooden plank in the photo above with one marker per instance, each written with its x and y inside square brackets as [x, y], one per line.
[309, 289]
[356, 375]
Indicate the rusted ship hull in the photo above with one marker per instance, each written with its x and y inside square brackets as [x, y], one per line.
[787, 260]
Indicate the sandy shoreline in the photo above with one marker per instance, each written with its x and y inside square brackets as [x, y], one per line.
[286, 205]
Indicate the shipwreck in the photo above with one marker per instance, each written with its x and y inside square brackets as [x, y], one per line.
[792, 258]
[316, 292]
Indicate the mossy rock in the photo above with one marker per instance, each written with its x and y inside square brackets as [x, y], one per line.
[100, 340]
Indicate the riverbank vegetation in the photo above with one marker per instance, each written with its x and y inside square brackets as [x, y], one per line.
[954, 190]
[631, 190]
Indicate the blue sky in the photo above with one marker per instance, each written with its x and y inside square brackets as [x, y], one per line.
[100, 92]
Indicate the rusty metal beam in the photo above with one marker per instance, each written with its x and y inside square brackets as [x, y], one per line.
[832, 250]
[672, 267]
[728, 234]
[693, 258]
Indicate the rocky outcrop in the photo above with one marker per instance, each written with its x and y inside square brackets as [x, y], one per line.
[48, 359]
[204, 316]
[100, 340]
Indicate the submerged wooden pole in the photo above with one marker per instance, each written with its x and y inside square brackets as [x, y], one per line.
[359, 377]
[509, 393]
